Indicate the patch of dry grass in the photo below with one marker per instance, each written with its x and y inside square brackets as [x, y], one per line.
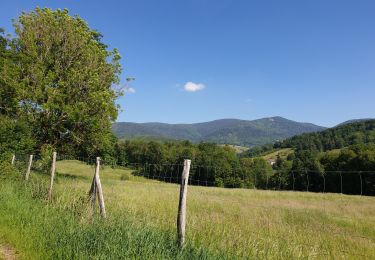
[283, 153]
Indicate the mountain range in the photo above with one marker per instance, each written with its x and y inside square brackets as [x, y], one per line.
[222, 131]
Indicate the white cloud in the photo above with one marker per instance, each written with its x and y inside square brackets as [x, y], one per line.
[193, 87]
[129, 90]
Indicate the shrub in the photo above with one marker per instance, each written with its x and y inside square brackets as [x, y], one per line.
[43, 165]
[7, 170]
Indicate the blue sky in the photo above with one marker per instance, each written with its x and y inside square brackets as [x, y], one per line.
[310, 61]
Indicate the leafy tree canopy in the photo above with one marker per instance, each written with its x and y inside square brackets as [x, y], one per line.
[64, 81]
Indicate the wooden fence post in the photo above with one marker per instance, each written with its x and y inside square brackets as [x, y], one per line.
[92, 194]
[53, 169]
[181, 217]
[13, 159]
[99, 190]
[29, 167]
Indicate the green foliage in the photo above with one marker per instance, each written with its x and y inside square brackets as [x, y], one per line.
[358, 132]
[213, 164]
[15, 136]
[362, 132]
[350, 164]
[43, 165]
[351, 158]
[56, 74]
[350, 170]
[257, 171]
[8, 78]
[258, 151]
[219, 166]
[334, 160]
[8, 171]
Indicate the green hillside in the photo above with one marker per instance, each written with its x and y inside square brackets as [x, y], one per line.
[282, 153]
[360, 132]
[224, 131]
[344, 155]
[343, 135]
[355, 121]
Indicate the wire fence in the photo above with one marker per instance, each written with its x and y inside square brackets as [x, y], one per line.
[344, 182]
[350, 182]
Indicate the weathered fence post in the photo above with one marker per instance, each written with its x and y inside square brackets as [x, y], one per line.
[92, 194]
[53, 169]
[99, 189]
[29, 167]
[181, 217]
[13, 159]
[96, 189]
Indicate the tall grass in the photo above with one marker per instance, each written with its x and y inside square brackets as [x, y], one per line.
[221, 223]
[43, 231]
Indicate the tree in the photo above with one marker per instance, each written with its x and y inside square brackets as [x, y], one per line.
[257, 171]
[66, 76]
[8, 78]
[15, 137]
[307, 171]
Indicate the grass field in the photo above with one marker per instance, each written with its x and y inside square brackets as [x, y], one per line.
[239, 149]
[221, 223]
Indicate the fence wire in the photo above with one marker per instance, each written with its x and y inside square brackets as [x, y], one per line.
[344, 182]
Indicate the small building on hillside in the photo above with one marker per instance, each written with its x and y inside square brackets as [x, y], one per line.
[271, 162]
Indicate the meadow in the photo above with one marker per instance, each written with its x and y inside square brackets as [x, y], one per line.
[141, 224]
[282, 153]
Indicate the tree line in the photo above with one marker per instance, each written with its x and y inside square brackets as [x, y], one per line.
[213, 165]
[349, 171]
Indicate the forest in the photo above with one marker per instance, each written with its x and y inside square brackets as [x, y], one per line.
[350, 170]
[362, 132]
[345, 153]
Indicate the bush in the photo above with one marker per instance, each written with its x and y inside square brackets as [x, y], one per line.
[7, 170]
[219, 182]
[43, 165]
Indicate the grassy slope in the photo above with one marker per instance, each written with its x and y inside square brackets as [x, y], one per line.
[283, 153]
[239, 149]
[220, 222]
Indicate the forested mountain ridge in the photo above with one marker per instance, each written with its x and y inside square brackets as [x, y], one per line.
[359, 132]
[343, 135]
[223, 131]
